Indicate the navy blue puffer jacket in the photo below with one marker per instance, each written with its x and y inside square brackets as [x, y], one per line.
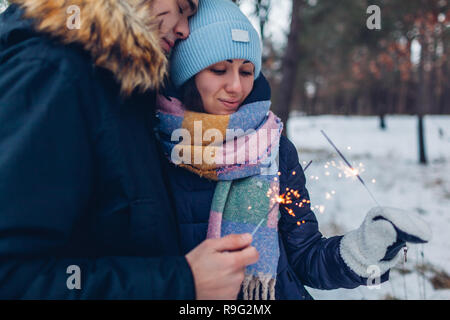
[80, 177]
[306, 257]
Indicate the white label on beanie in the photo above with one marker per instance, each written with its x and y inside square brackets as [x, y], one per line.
[240, 35]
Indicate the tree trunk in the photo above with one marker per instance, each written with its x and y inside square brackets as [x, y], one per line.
[262, 9]
[423, 101]
[422, 154]
[382, 122]
[289, 65]
[401, 102]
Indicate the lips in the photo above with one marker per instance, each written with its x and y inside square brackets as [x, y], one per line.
[230, 104]
[167, 45]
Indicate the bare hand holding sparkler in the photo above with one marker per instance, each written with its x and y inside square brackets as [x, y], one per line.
[218, 266]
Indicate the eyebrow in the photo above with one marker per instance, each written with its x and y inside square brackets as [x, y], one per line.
[246, 61]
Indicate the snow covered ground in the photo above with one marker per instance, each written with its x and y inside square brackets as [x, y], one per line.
[388, 164]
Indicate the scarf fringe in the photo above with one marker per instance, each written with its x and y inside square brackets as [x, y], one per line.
[253, 285]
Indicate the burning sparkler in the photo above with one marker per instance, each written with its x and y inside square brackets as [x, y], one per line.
[356, 173]
[285, 198]
[353, 170]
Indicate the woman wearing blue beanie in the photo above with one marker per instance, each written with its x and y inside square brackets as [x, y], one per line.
[231, 171]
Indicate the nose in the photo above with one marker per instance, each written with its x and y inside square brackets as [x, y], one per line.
[181, 29]
[233, 84]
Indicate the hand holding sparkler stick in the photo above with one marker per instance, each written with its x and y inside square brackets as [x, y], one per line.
[408, 228]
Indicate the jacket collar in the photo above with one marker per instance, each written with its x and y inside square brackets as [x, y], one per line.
[120, 35]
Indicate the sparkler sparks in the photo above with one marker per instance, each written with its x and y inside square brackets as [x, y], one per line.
[351, 172]
[285, 198]
[354, 171]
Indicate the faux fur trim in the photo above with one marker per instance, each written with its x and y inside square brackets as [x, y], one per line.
[120, 35]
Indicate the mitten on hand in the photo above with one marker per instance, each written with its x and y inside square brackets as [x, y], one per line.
[379, 239]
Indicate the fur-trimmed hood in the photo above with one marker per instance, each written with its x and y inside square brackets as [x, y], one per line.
[120, 35]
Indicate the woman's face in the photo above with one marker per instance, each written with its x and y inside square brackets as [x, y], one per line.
[224, 86]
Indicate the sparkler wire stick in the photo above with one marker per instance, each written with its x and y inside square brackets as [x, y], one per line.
[307, 165]
[260, 223]
[350, 166]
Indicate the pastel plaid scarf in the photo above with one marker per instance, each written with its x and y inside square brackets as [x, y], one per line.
[245, 164]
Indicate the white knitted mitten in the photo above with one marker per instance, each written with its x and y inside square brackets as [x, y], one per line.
[379, 238]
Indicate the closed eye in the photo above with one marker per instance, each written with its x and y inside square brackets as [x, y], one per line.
[246, 73]
[217, 71]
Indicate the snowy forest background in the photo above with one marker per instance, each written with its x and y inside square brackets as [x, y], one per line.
[383, 97]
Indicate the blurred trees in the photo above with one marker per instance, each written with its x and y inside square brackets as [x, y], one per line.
[262, 10]
[333, 63]
[290, 63]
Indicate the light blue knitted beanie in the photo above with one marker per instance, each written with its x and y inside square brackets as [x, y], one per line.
[219, 31]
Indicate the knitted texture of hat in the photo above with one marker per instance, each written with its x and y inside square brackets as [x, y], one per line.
[219, 31]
